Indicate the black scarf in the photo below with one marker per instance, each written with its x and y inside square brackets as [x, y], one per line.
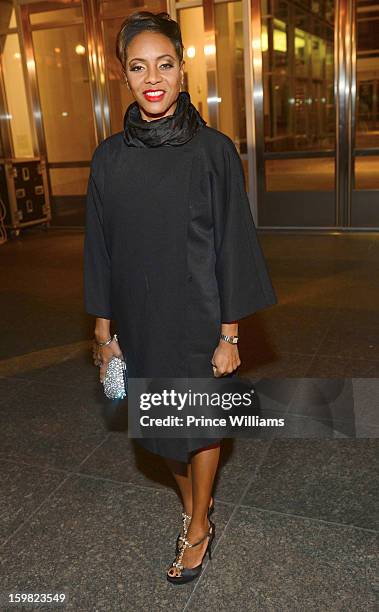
[171, 130]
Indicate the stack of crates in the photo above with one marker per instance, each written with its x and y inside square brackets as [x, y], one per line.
[24, 193]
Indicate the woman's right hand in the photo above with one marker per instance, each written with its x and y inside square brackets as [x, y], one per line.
[103, 354]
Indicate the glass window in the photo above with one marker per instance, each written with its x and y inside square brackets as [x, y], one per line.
[298, 79]
[367, 107]
[119, 95]
[60, 16]
[7, 16]
[69, 181]
[367, 172]
[191, 22]
[300, 174]
[298, 93]
[230, 72]
[63, 83]
[15, 94]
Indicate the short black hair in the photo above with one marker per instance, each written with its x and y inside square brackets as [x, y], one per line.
[141, 21]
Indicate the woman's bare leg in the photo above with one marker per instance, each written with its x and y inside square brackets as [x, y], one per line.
[182, 474]
[203, 470]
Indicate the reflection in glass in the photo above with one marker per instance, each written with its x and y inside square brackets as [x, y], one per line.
[69, 181]
[119, 95]
[66, 16]
[298, 93]
[230, 72]
[63, 82]
[191, 22]
[7, 16]
[16, 96]
[297, 47]
[367, 106]
[300, 174]
[367, 172]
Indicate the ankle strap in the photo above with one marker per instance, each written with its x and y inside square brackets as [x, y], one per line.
[207, 535]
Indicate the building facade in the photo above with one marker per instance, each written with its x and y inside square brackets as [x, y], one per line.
[294, 84]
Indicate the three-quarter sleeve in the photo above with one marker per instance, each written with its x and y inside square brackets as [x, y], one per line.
[97, 263]
[242, 275]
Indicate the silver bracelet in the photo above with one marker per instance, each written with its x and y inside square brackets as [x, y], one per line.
[114, 337]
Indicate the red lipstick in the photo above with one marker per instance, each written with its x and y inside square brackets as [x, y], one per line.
[154, 95]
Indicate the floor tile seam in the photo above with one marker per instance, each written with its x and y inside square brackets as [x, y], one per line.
[265, 510]
[94, 449]
[66, 351]
[333, 419]
[122, 483]
[26, 522]
[126, 483]
[324, 335]
[63, 384]
[135, 485]
[74, 472]
[355, 359]
[52, 492]
[51, 467]
[235, 509]
[307, 518]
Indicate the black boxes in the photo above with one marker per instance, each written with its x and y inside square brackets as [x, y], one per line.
[24, 193]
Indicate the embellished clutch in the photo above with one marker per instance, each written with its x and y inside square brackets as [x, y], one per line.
[116, 379]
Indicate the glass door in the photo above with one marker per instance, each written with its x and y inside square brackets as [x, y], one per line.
[316, 99]
[365, 196]
[295, 123]
[213, 37]
[58, 69]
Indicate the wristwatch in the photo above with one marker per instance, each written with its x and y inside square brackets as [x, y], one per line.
[230, 339]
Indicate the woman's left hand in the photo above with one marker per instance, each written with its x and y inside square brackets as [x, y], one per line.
[225, 359]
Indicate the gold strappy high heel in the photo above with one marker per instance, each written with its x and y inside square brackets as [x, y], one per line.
[186, 519]
[177, 573]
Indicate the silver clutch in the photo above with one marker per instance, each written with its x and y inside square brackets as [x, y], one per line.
[116, 379]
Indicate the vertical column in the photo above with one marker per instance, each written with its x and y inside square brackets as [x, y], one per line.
[95, 55]
[254, 104]
[210, 58]
[344, 94]
[249, 105]
[34, 103]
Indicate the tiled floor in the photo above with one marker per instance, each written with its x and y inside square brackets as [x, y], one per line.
[86, 511]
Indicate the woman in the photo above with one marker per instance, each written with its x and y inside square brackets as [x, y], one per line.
[171, 254]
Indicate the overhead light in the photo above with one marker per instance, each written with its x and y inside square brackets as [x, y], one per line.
[209, 50]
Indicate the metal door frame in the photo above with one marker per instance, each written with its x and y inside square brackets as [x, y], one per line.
[345, 198]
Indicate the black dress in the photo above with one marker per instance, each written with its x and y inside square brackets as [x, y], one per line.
[171, 249]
